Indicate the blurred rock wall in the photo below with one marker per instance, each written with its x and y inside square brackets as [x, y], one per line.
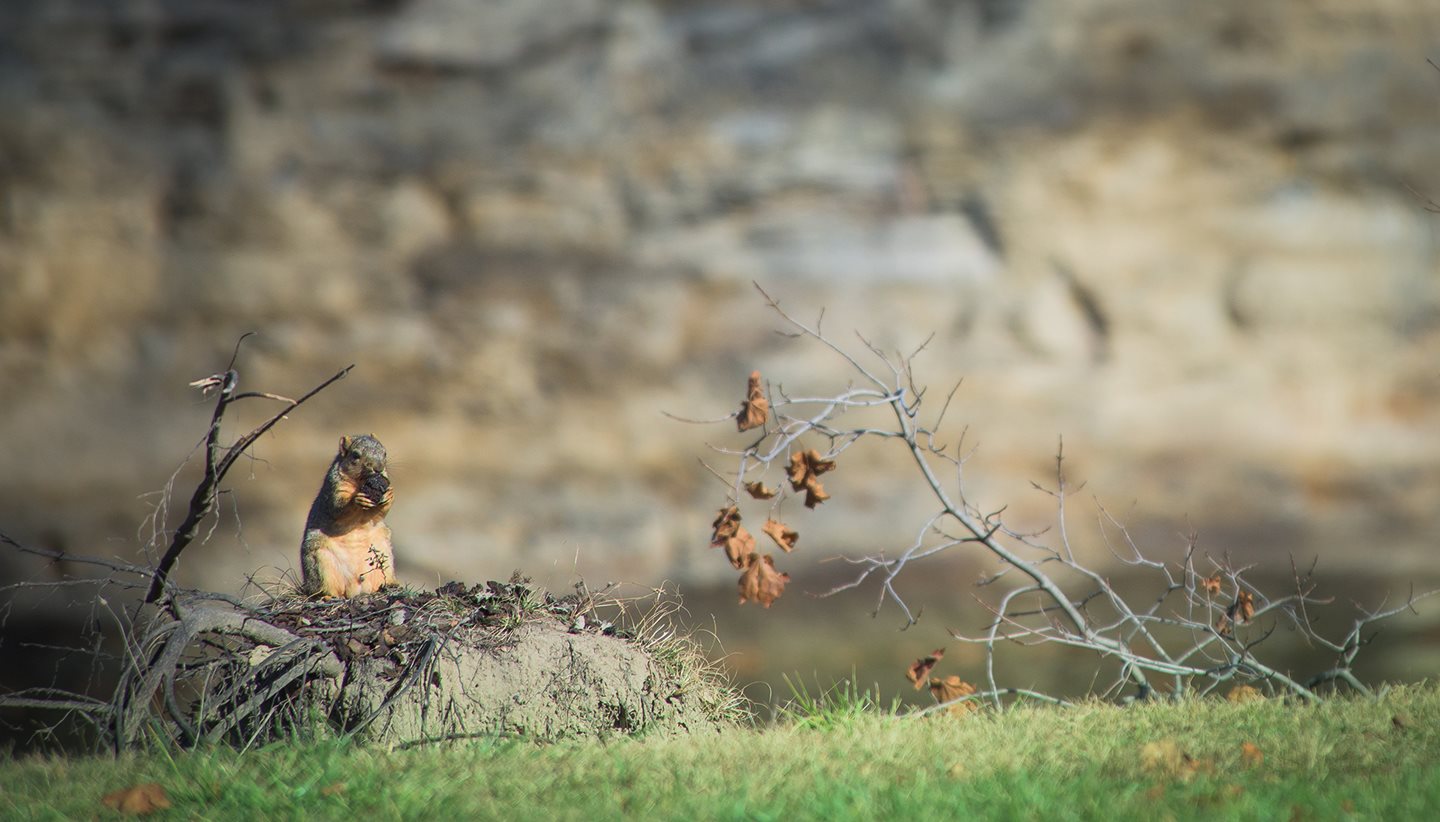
[1181, 235]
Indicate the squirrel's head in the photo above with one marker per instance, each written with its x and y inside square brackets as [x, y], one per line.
[361, 456]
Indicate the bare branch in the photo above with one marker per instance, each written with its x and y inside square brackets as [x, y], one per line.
[219, 459]
[1198, 630]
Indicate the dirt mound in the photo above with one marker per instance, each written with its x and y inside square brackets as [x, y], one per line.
[401, 667]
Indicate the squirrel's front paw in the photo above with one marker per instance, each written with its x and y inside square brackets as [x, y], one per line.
[373, 491]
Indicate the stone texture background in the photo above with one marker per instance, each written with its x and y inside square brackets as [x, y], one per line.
[1181, 235]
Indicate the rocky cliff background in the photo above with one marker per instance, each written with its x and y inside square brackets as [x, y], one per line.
[1184, 236]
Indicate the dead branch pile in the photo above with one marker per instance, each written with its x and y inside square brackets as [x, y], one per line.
[403, 666]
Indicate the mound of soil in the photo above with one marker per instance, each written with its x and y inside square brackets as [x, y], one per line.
[400, 667]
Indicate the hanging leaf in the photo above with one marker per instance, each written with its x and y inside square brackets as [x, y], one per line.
[804, 473]
[755, 409]
[783, 535]
[1242, 610]
[920, 668]
[739, 547]
[761, 582]
[725, 525]
[758, 490]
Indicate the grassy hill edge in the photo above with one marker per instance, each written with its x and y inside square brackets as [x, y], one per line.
[1355, 757]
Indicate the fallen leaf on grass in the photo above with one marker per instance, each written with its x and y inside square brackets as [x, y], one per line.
[138, 800]
[804, 472]
[1250, 754]
[951, 688]
[783, 535]
[761, 582]
[758, 490]
[1161, 755]
[1244, 693]
[1165, 756]
[755, 409]
[920, 668]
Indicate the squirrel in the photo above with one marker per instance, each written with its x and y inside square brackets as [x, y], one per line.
[346, 549]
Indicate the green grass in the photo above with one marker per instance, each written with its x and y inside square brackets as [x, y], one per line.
[1343, 759]
[841, 704]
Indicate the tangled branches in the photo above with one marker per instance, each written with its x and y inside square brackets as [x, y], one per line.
[143, 636]
[1202, 629]
[222, 671]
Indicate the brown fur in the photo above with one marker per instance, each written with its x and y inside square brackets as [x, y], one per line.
[347, 547]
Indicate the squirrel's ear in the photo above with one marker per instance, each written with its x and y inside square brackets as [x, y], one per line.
[344, 444]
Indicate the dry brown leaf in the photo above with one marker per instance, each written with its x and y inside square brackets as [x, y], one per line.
[1211, 584]
[920, 668]
[730, 535]
[1165, 756]
[726, 523]
[797, 471]
[1242, 610]
[804, 473]
[1250, 754]
[758, 490]
[783, 535]
[138, 800]
[755, 409]
[761, 582]
[739, 547]
[1244, 693]
[953, 687]
[806, 464]
[1222, 625]
[1162, 755]
[815, 494]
